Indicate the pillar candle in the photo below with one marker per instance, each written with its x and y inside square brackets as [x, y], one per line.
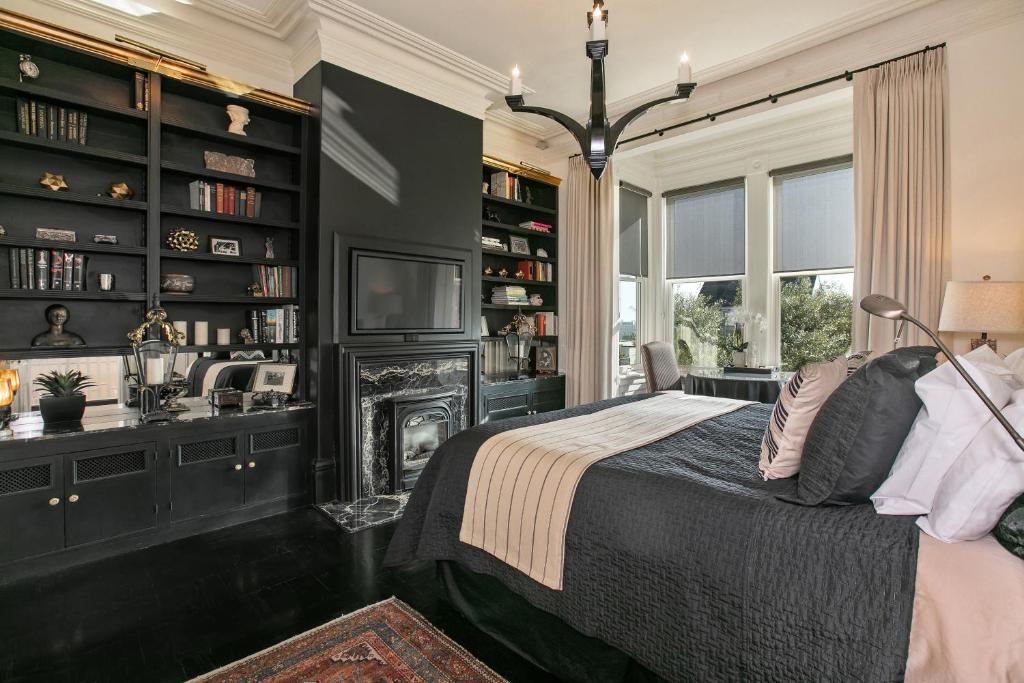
[597, 25]
[154, 371]
[223, 335]
[181, 327]
[202, 333]
[685, 74]
[517, 82]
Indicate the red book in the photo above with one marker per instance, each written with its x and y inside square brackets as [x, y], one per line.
[219, 206]
[231, 199]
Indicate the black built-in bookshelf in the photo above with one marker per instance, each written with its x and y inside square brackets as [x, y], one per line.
[158, 152]
[538, 201]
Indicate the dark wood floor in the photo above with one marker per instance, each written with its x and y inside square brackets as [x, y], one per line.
[175, 611]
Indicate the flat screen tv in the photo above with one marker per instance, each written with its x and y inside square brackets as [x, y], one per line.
[404, 293]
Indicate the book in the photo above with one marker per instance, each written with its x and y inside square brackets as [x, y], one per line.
[42, 269]
[139, 101]
[24, 271]
[219, 206]
[40, 117]
[24, 122]
[51, 121]
[193, 195]
[62, 124]
[56, 269]
[15, 273]
[69, 268]
[256, 206]
[250, 202]
[72, 125]
[231, 201]
[83, 127]
[145, 92]
[78, 273]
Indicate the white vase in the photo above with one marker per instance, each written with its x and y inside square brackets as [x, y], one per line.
[739, 359]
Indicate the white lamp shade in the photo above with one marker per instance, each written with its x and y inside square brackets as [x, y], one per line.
[983, 307]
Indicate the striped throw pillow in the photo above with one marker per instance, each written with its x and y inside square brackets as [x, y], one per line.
[799, 402]
[855, 360]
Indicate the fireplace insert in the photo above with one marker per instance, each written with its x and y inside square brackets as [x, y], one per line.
[419, 424]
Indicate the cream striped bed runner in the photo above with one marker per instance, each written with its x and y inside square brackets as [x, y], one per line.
[522, 482]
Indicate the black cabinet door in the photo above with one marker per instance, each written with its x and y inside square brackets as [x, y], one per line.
[206, 475]
[110, 492]
[275, 466]
[505, 405]
[550, 395]
[31, 507]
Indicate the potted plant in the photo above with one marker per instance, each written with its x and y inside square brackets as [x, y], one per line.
[63, 400]
[734, 343]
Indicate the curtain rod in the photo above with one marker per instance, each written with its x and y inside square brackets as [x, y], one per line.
[773, 98]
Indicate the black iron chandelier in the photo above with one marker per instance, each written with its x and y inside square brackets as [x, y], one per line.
[597, 140]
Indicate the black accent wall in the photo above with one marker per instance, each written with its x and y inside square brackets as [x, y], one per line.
[392, 167]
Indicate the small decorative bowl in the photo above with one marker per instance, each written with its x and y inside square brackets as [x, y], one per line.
[177, 283]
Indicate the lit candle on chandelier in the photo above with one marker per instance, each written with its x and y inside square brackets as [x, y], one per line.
[517, 83]
[685, 73]
[597, 24]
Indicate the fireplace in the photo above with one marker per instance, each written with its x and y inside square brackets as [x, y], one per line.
[419, 425]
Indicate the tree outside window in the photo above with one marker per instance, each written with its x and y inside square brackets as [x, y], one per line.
[816, 313]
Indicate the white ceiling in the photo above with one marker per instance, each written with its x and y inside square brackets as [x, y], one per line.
[546, 37]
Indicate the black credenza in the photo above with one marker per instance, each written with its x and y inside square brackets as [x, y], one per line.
[71, 498]
[503, 396]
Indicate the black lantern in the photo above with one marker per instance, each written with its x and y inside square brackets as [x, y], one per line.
[155, 346]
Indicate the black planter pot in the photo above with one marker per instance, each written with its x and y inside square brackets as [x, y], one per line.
[62, 409]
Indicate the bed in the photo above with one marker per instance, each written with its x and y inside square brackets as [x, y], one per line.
[681, 564]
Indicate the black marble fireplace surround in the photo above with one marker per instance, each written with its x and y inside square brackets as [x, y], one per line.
[405, 381]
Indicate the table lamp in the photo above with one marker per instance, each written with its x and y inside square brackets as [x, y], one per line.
[6, 399]
[886, 307]
[983, 306]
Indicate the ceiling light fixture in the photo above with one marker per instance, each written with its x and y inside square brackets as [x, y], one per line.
[597, 139]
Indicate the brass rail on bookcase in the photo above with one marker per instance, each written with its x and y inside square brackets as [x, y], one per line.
[522, 171]
[146, 61]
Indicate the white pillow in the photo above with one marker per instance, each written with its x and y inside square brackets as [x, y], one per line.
[798, 404]
[1016, 362]
[952, 415]
[981, 484]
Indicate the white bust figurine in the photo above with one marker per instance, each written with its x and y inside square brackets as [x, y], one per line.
[239, 119]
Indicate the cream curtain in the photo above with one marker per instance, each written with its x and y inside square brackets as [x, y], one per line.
[901, 193]
[589, 281]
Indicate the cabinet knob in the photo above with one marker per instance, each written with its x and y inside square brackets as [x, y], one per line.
[252, 465]
[238, 467]
[54, 501]
[73, 498]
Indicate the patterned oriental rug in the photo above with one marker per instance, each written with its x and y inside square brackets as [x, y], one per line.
[386, 642]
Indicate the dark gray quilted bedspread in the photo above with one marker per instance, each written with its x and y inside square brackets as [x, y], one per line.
[680, 555]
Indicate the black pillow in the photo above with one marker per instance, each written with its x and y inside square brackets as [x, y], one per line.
[857, 434]
[1010, 529]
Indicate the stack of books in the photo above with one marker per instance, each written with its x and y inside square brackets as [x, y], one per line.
[279, 281]
[506, 186]
[536, 225]
[47, 269]
[493, 243]
[52, 122]
[224, 199]
[274, 325]
[546, 324]
[510, 295]
[535, 271]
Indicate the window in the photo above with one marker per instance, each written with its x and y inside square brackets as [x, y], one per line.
[633, 265]
[813, 260]
[706, 242]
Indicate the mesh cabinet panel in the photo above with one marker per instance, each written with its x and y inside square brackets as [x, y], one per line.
[23, 479]
[202, 451]
[506, 402]
[112, 465]
[273, 440]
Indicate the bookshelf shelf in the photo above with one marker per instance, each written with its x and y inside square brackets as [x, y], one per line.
[519, 257]
[157, 152]
[245, 260]
[227, 218]
[227, 177]
[61, 294]
[72, 197]
[92, 247]
[515, 281]
[521, 205]
[24, 140]
[516, 230]
[10, 85]
[231, 138]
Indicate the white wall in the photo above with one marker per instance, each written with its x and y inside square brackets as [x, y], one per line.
[986, 113]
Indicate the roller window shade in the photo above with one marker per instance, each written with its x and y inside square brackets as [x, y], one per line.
[814, 218]
[633, 231]
[706, 230]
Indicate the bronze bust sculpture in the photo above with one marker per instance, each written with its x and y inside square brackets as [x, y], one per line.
[57, 315]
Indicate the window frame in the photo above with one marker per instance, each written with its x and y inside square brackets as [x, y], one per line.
[641, 283]
[669, 297]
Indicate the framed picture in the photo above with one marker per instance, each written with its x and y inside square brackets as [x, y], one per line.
[225, 246]
[520, 245]
[274, 377]
[547, 360]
